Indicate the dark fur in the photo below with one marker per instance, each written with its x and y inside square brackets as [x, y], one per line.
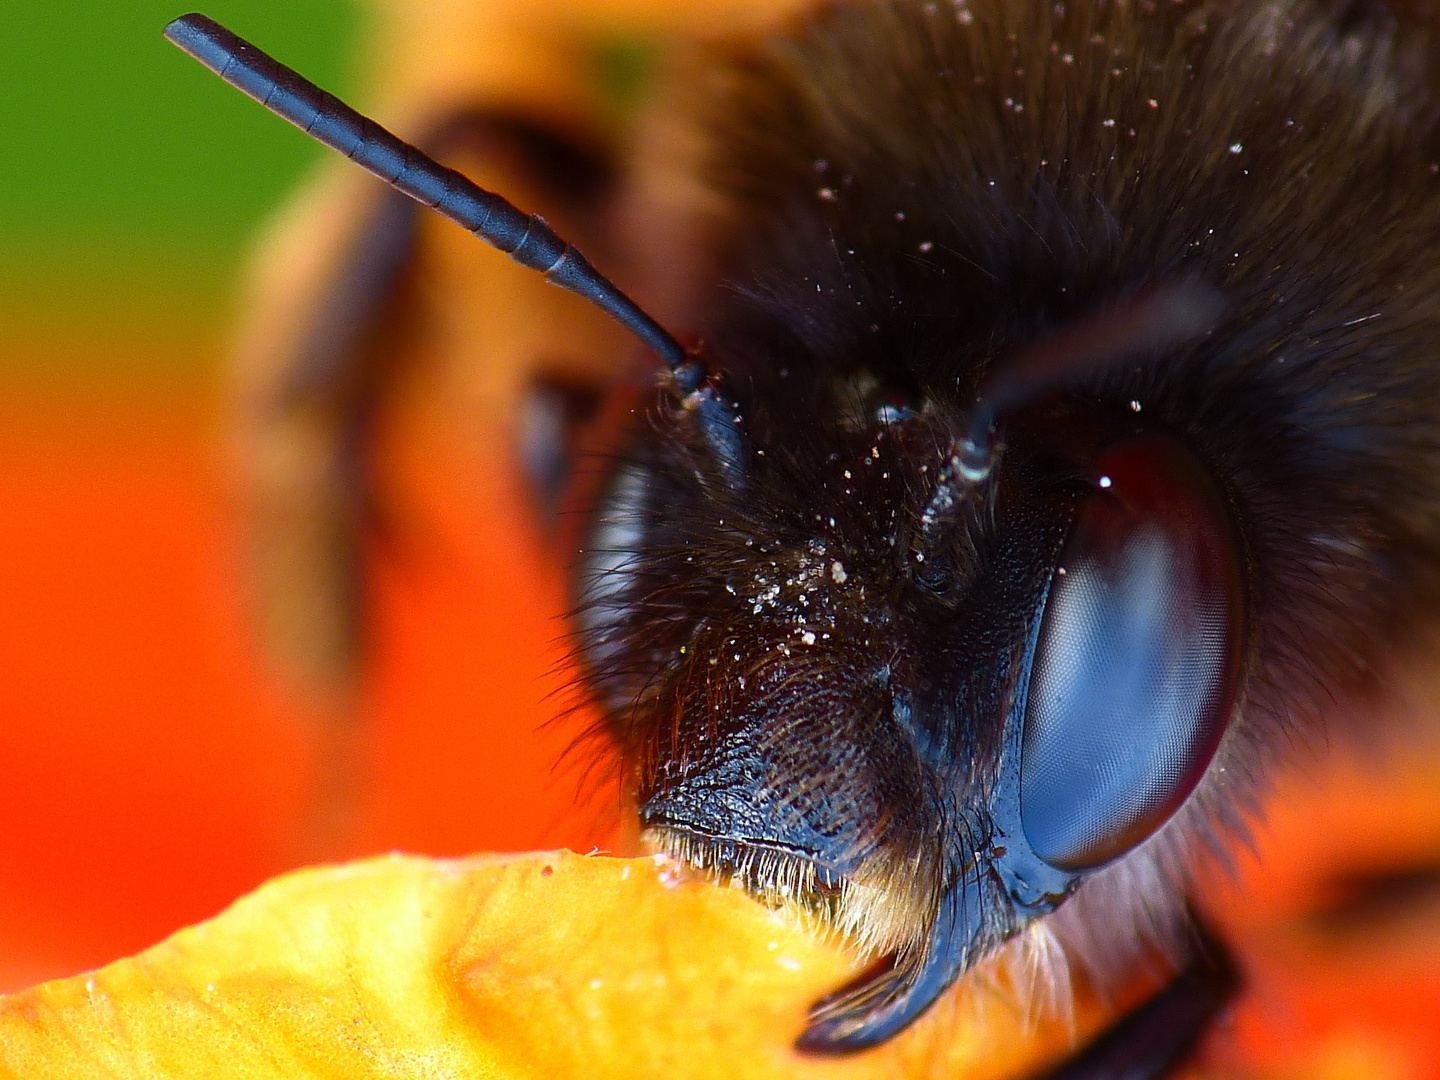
[1047, 160]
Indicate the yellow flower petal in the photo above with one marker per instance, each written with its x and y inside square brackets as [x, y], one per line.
[551, 964]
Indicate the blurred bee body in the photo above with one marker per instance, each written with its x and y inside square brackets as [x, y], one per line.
[1059, 446]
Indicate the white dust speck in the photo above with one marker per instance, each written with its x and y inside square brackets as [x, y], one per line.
[789, 963]
[1236, 147]
[837, 572]
[1104, 481]
[1134, 406]
[1363, 318]
[808, 637]
[928, 245]
[1108, 122]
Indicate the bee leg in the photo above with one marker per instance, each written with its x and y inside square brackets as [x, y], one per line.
[1156, 1036]
[315, 395]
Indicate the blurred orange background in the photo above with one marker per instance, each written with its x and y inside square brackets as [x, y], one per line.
[151, 769]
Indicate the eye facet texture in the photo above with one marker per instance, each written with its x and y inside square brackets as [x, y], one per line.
[1135, 668]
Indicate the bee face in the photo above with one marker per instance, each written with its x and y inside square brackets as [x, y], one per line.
[775, 726]
[920, 703]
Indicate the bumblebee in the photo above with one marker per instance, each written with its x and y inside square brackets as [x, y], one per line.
[1049, 448]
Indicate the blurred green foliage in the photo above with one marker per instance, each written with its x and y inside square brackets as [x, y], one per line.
[623, 70]
[128, 166]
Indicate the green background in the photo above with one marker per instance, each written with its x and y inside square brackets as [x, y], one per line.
[130, 170]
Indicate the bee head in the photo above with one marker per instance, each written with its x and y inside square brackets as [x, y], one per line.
[867, 657]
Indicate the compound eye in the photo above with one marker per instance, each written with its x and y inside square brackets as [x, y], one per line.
[608, 568]
[1137, 661]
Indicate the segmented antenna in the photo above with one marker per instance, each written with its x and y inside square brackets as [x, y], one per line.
[1158, 317]
[526, 238]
